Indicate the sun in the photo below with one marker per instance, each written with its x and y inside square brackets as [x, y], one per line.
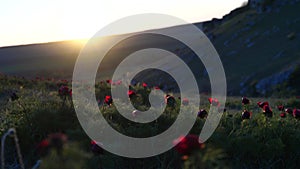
[80, 41]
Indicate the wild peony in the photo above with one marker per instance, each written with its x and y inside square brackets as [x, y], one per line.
[282, 115]
[144, 84]
[188, 144]
[262, 104]
[296, 113]
[245, 101]
[246, 114]
[96, 148]
[202, 113]
[131, 94]
[108, 100]
[280, 107]
[288, 111]
[109, 81]
[64, 91]
[267, 111]
[170, 100]
[214, 102]
[185, 101]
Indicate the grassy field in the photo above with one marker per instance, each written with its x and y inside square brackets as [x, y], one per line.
[254, 47]
[37, 109]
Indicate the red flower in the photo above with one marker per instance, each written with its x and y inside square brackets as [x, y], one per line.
[289, 111]
[64, 91]
[44, 143]
[266, 108]
[245, 101]
[156, 88]
[282, 115]
[296, 113]
[280, 108]
[131, 94]
[262, 104]
[108, 100]
[144, 84]
[267, 111]
[43, 147]
[57, 141]
[185, 101]
[109, 81]
[93, 142]
[64, 81]
[214, 102]
[186, 145]
[54, 137]
[202, 113]
[96, 149]
[170, 100]
[246, 114]
[119, 82]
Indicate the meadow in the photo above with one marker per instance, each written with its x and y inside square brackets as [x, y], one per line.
[259, 128]
[42, 112]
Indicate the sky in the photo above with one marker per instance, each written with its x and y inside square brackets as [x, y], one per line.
[37, 21]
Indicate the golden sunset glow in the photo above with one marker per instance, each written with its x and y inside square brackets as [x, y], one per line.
[34, 21]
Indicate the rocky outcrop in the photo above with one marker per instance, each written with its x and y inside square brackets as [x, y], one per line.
[266, 84]
[269, 5]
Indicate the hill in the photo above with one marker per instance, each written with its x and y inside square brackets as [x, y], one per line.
[258, 45]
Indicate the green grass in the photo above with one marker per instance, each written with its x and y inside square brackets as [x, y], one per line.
[259, 142]
[256, 143]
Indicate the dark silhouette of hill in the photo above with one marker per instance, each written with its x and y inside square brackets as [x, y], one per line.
[45, 59]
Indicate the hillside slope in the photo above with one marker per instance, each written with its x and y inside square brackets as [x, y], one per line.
[258, 45]
[258, 49]
[55, 59]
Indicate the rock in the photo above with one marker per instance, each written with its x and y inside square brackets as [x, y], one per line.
[234, 36]
[211, 36]
[268, 9]
[250, 45]
[246, 29]
[266, 33]
[226, 43]
[248, 40]
[278, 55]
[250, 23]
[277, 10]
[245, 80]
[291, 36]
[275, 29]
[231, 53]
[296, 20]
[249, 16]
[267, 83]
[268, 6]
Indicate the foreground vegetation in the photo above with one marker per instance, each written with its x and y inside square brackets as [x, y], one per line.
[42, 113]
